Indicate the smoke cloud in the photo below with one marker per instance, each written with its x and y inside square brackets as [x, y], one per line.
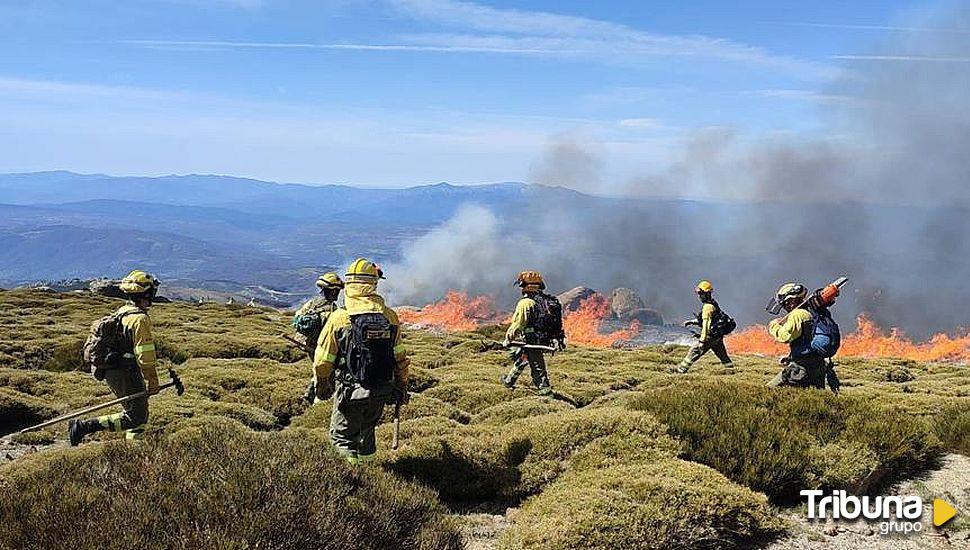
[466, 252]
[883, 198]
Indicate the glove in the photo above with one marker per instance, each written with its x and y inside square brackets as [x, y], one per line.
[506, 342]
[402, 396]
[784, 360]
[323, 392]
[151, 385]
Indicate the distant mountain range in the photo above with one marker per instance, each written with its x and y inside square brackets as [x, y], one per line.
[200, 229]
[228, 233]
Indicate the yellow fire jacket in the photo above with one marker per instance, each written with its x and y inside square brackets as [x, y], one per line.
[359, 298]
[707, 317]
[791, 329]
[138, 330]
[522, 319]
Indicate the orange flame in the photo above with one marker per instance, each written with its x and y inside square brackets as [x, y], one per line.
[868, 340]
[583, 325]
[458, 312]
[455, 312]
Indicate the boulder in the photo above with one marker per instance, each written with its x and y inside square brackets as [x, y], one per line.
[644, 315]
[625, 300]
[571, 299]
[106, 287]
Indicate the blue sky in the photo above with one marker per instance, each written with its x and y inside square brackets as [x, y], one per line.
[404, 92]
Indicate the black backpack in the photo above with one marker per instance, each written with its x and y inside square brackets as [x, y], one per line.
[370, 350]
[721, 325]
[548, 322]
[724, 324]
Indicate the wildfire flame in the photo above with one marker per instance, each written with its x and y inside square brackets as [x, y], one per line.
[455, 312]
[583, 325]
[868, 340]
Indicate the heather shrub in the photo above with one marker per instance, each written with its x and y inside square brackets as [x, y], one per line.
[664, 504]
[952, 426]
[781, 441]
[214, 485]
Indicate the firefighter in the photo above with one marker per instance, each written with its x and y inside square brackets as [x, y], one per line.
[812, 336]
[310, 319]
[537, 320]
[711, 337]
[361, 345]
[134, 371]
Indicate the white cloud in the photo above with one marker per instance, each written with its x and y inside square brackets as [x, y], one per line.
[894, 28]
[805, 95]
[642, 123]
[929, 58]
[572, 35]
[484, 29]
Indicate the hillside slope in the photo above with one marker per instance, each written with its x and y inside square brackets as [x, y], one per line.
[624, 455]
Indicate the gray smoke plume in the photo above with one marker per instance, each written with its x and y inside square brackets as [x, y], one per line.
[466, 252]
[885, 199]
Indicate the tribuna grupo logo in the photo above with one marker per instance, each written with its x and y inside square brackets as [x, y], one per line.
[895, 514]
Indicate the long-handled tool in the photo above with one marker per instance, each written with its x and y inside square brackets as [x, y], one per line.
[174, 382]
[523, 345]
[396, 437]
[827, 295]
[298, 344]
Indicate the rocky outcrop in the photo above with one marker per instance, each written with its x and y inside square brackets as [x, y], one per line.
[644, 315]
[571, 299]
[624, 300]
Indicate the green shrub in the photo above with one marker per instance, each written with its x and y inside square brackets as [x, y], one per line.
[781, 441]
[464, 468]
[66, 357]
[214, 486]
[42, 437]
[666, 504]
[952, 426]
[523, 407]
[508, 462]
[903, 445]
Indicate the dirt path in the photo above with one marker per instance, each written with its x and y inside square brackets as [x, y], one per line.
[10, 451]
[483, 531]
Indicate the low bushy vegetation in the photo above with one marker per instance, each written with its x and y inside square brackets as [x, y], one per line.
[623, 454]
[45, 330]
[664, 504]
[215, 485]
[952, 426]
[781, 441]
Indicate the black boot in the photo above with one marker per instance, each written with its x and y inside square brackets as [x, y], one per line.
[77, 429]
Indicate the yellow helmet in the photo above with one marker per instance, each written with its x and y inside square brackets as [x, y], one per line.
[530, 280]
[787, 291]
[364, 271]
[139, 282]
[704, 286]
[791, 290]
[329, 280]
